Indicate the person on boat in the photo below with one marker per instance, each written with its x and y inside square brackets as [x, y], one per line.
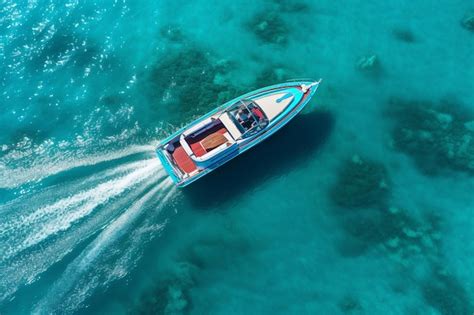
[243, 116]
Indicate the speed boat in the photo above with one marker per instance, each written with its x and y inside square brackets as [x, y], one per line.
[231, 129]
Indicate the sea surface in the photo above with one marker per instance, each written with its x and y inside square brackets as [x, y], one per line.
[363, 204]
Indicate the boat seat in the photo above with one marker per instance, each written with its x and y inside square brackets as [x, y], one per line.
[213, 141]
[184, 162]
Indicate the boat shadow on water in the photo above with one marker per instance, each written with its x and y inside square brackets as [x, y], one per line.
[291, 146]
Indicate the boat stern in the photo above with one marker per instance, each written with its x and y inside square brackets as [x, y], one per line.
[172, 171]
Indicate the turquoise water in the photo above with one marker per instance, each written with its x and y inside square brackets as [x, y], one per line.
[361, 205]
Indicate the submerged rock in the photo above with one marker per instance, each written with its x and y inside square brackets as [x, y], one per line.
[361, 183]
[404, 35]
[368, 63]
[269, 27]
[468, 21]
[349, 305]
[436, 137]
[172, 33]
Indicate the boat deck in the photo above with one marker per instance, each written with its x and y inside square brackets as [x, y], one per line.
[183, 160]
[198, 146]
[196, 142]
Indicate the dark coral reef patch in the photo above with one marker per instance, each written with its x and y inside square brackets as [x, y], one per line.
[171, 295]
[468, 21]
[438, 137]
[269, 27]
[409, 237]
[445, 293]
[361, 183]
[370, 221]
[392, 229]
[361, 193]
[362, 196]
[190, 82]
[210, 251]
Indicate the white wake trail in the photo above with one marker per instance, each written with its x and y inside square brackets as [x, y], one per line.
[90, 269]
[116, 228]
[48, 195]
[25, 268]
[38, 230]
[37, 168]
[59, 216]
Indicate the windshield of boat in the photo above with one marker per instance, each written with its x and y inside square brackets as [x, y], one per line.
[248, 117]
